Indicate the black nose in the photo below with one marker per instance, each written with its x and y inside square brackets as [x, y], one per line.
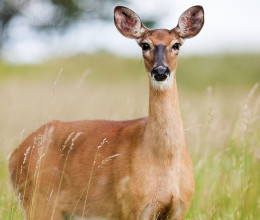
[160, 72]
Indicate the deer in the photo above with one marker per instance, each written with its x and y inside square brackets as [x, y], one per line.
[132, 170]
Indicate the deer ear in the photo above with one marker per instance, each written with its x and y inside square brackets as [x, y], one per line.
[128, 22]
[190, 22]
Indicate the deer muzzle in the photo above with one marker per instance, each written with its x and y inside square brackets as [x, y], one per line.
[160, 73]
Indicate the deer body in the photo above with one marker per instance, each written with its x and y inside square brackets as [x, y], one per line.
[137, 169]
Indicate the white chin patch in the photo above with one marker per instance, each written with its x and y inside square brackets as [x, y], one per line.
[161, 85]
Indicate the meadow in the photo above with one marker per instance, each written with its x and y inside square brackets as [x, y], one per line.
[220, 106]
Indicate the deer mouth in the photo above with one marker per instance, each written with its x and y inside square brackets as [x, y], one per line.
[161, 81]
[160, 77]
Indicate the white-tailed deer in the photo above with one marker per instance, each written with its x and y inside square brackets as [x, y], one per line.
[136, 169]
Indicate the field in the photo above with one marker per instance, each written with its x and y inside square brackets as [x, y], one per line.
[220, 105]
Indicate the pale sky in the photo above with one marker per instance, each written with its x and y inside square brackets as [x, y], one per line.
[230, 26]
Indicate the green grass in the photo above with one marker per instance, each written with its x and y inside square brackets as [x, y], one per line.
[227, 185]
[220, 109]
[194, 73]
[221, 70]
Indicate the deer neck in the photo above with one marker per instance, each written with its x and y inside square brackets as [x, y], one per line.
[164, 135]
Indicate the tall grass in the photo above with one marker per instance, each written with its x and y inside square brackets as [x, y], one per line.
[222, 122]
[226, 161]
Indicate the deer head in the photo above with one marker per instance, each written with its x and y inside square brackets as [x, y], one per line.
[160, 46]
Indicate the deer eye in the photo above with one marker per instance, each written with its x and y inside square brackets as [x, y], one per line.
[176, 46]
[145, 46]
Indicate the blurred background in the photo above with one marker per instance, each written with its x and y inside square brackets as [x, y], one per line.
[31, 31]
[65, 60]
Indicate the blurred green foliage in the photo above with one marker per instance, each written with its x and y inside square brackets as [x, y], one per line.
[219, 70]
[194, 73]
[58, 14]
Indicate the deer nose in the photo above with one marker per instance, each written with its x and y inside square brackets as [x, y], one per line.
[160, 73]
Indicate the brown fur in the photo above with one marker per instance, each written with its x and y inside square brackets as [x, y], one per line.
[164, 37]
[137, 169]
